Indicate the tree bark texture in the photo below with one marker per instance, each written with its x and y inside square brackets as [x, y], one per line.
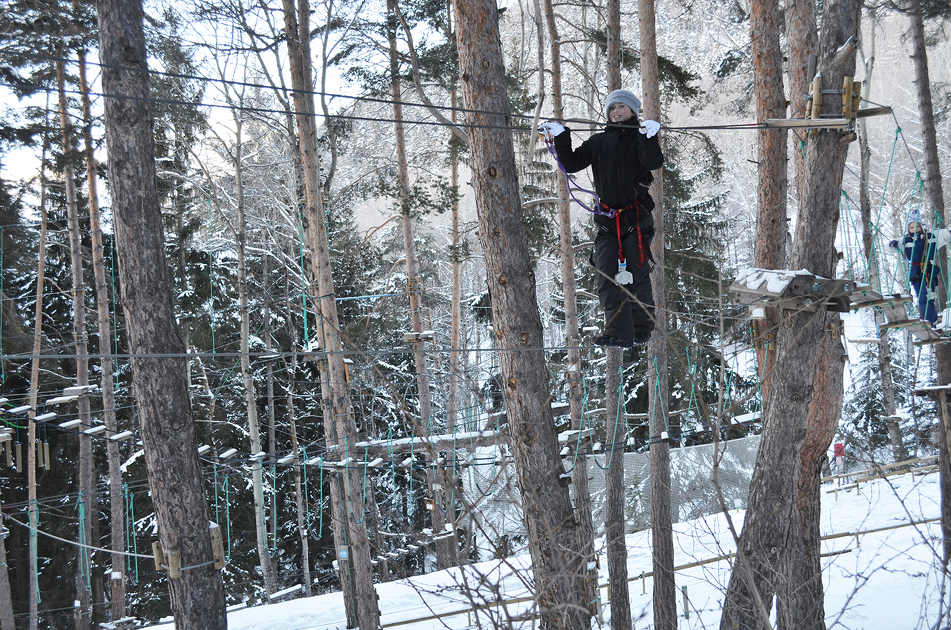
[802, 39]
[107, 363]
[159, 363]
[799, 602]
[32, 508]
[579, 478]
[6, 600]
[613, 45]
[616, 432]
[772, 522]
[936, 196]
[665, 589]
[87, 510]
[348, 510]
[552, 529]
[770, 249]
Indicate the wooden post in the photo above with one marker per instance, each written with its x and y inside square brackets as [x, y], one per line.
[847, 112]
[944, 420]
[816, 96]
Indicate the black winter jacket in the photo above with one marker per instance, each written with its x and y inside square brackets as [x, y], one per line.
[621, 159]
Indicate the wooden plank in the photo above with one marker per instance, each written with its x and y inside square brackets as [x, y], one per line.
[873, 111]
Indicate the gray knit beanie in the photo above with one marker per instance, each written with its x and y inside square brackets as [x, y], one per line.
[622, 96]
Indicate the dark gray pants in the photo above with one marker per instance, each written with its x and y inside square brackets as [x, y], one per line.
[628, 309]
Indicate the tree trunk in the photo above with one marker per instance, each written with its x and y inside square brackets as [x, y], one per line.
[444, 545]
[665, 590]
[348, 510]
[553, 540]
[87, 509]
[872, 256]
[770, 251]
[613, 43]
[107, 363]
[773, 523]
[579, 478]
[159, 364]
[6, 600]
[936, 195]
[802, 42]
[32, 508]
[799, 601]
[616, 427]
[299, 469]
[250, 397]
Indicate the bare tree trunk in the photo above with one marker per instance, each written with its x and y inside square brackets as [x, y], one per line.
[613, 51]
[350, 534]
[665, 590]
[616, 427]
[936, 195]
[773, 523]
[770, 251]
[32, 508]
[107, 364]
[579, 478]
[250, 397]
[799, 600]
[802, 42]
[6, 600]
[87, 502]
[159, 364]
[620, 600]
[872, 256]
[553, 532]
[443, 545]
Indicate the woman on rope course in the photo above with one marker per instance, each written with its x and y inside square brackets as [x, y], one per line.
[919, 247]
[621, 159]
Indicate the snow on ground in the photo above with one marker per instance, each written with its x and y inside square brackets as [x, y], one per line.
[881, 581]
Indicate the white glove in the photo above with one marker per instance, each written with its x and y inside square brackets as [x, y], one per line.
[650, 128]
[547, 131]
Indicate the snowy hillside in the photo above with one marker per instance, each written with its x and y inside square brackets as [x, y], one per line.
[887, 578]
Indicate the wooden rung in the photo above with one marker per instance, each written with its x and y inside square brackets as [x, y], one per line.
[847, 97]
[901, 323]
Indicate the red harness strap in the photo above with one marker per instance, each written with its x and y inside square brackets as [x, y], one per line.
[636, 207]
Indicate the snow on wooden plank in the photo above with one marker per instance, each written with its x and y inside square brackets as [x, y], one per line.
[429, 443]
[287, 591]
[772, 283]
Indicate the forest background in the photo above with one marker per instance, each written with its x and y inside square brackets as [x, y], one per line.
[231, 189]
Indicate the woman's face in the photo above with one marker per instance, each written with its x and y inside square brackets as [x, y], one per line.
[619, 112]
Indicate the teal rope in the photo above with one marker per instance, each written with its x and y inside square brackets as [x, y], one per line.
[617, 421]
[692, 371]
[849, 220]
[132, 563]
[84, 568]
[881, 206]
[306, 491]
[227, 522]
[658, 396]
[274, 506]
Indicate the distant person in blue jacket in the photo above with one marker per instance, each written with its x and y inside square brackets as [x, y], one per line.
[918, 248]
